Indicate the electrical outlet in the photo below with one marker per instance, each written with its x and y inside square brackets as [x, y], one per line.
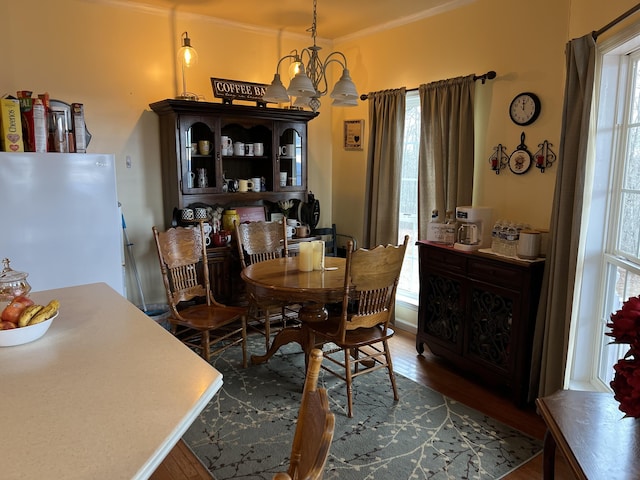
[128, 160]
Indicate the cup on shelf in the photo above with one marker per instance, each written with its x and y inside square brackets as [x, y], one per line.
[288, 150]
[200, 214]
[226, 145]
[204, 146]
[245, 185]
[257, 184]
[248, 149]
[258, 149]
[187, 214]
[283, 179]
[194, 149]
[238, 149]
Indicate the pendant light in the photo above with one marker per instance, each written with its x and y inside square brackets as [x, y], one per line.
[310, 83]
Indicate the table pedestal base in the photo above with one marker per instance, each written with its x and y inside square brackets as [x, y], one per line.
[313, 312]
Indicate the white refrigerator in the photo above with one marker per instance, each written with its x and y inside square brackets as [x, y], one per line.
[59, 219]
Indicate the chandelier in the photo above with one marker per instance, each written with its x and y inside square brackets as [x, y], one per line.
[310, 83]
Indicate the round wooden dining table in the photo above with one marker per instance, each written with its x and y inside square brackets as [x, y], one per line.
[281, 279]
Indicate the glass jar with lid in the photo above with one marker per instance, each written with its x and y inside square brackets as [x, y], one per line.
[229, 218]
[12, 283]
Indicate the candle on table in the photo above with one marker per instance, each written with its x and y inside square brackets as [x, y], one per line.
[318, 254]
[305, 258]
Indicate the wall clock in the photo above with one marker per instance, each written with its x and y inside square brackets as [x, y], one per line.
[524, 108]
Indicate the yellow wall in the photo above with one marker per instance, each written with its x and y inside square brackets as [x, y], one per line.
[524, 42]
[116, 60]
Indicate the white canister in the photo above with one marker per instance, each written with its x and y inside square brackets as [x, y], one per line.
[528, 245]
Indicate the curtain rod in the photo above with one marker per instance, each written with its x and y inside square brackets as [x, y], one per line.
[626, 14]
[490, 75]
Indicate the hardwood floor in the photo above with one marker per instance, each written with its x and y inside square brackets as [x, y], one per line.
[435, 373]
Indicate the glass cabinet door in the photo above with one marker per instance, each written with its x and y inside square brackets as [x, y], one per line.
[291, 159]
[198, 148]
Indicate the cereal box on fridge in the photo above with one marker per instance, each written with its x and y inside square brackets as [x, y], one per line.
[11, 125]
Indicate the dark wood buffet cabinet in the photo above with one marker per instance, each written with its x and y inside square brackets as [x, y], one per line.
[478, 311]
[183, 123]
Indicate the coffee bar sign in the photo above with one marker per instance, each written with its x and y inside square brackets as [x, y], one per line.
[230, 90]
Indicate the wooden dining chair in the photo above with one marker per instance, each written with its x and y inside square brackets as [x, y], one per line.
[360, 330]
[257, 242]
[196, 318]
[328, 235]
[314, 429]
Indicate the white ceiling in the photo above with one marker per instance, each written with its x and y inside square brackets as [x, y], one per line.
[336, 18]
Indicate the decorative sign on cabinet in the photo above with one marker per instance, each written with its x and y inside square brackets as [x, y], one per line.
[478, 311]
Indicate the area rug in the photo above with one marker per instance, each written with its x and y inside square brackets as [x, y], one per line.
[246, 430]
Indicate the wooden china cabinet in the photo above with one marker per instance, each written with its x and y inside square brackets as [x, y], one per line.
[478, 311]
[184, 122]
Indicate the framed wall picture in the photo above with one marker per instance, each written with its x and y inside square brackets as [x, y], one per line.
[353, 132]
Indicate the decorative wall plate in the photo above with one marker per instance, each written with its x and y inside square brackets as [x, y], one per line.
[520, 160]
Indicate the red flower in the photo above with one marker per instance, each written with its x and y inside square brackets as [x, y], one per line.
[626, 386]
[625, 324]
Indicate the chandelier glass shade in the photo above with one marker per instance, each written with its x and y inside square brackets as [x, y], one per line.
[309, 83]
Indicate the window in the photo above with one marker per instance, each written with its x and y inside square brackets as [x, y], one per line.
[610, 243]
[408, 287]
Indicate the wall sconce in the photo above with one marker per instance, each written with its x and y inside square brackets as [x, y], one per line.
[187, 58]
[499, 159]
[544, 157]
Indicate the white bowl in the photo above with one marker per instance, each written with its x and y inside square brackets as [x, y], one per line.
[21, 335]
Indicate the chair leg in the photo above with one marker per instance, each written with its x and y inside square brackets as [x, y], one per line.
[244, 341]
[392, 375]
[206, 350]
[267, 329]
[349, 380]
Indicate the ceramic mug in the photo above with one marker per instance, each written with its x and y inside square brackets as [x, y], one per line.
[302, 231]
[238, 149]
[245, 185]
[201, 213]
[187, 214]
[290, 231]
[292, 222]
[248, 149]
[204, 146]
[288, 150]
[226, 145]
[194, 149]
[258, 149]
[283, 179]
[207, 229]
[257, 184]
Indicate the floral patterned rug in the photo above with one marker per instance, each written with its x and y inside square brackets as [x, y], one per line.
[246, 430]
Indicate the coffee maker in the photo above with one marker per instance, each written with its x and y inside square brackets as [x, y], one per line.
[474, 228]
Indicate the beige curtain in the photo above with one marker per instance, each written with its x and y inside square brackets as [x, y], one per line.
[384, 167]
[554, 311]
[445, 176]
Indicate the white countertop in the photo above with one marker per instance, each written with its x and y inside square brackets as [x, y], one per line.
[105, 394]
